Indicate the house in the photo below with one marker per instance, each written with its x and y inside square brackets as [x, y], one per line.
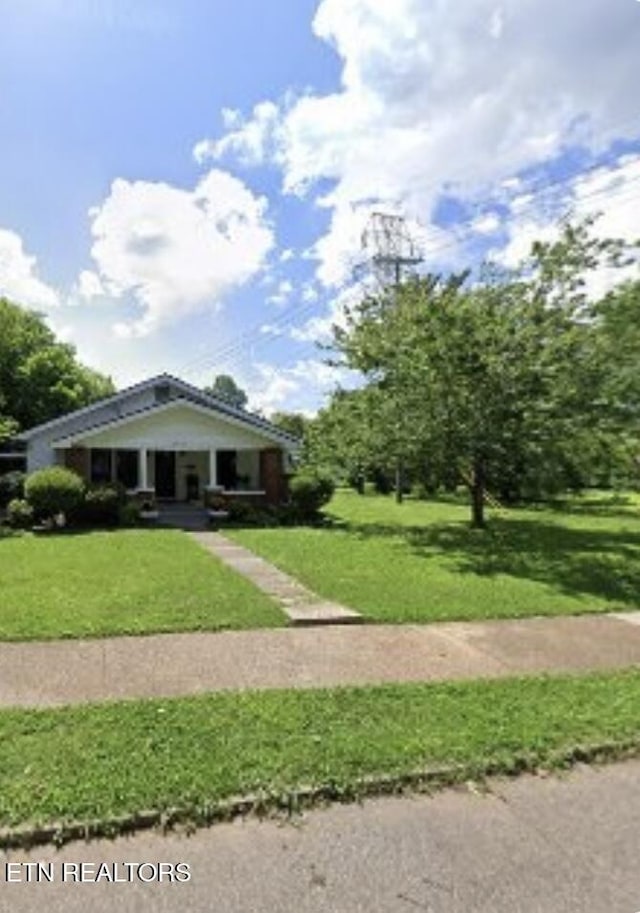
[165, 439]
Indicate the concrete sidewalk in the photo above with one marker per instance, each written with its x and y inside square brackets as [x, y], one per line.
[75, 671]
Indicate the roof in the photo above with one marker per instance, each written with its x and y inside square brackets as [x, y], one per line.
[189, 394]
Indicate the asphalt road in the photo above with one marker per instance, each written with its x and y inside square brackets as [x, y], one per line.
[533, 845]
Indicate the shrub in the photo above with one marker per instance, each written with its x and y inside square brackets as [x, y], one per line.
[11, 487]
[54, 491]
[19, 513]
[309, 493]
[128, 514]
[101, 506]
[243, 514]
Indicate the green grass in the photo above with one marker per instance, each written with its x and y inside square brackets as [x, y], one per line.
[93, 762]
[421, 561]
[121, 582]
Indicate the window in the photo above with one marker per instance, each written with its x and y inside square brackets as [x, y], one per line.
[100, 466]
[127, 468]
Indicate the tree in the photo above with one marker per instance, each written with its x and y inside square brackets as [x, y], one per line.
[225, 387]
[504, 380]
[293, 423]
[40, 378]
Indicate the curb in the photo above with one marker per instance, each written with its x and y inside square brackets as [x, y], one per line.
[292, 802]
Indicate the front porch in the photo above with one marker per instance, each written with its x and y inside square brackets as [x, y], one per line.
[188, 476]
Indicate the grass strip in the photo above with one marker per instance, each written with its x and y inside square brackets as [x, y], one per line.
[106, 766]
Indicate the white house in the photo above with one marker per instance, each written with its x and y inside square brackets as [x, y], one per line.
[165, 439]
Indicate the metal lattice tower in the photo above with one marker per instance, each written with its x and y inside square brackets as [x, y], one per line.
[391, 247]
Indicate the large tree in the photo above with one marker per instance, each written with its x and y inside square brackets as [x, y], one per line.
[503, 379]
[40, 378]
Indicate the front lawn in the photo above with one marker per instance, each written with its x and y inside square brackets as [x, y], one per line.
[121, 582]
[421, 561]
[90, 763]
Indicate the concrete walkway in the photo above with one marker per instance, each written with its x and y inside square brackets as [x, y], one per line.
[75, 671]
[299, 604]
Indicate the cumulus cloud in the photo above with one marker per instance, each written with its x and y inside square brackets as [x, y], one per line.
[439, 97]
[19, 278]
[296, 388]
[251, 139]
[88, 286]
[174, 250]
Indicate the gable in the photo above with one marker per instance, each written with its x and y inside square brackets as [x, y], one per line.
[177, 425]
[147, 395]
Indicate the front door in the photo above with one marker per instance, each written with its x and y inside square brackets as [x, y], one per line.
[165, 474]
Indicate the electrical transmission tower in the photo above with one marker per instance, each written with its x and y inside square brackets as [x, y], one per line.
[392, 249]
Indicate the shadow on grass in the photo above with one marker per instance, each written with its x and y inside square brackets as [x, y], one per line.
[601, 563]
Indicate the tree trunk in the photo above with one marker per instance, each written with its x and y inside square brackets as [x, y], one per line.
[477, 495]
[399, 482]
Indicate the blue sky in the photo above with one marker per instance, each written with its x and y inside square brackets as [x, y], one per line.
[184, 184]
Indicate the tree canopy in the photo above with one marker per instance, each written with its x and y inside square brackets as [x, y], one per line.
[225, 387]
[40, 377]
[518, 384]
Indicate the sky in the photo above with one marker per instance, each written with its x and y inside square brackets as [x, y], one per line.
[185, 184]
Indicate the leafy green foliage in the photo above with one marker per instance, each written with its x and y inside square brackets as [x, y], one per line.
[294, 423]
[19, 513]
[310, 492]
[40, 378]
[11, 486]
[54, 490]
[225, 387]
[504, 384]
[100, 506]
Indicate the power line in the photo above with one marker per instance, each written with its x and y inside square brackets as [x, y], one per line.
[254, 336]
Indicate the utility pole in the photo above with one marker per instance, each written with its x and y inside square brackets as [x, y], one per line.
[393, 252]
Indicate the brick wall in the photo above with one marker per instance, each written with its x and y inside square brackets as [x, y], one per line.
[77, 458]
[272, 479]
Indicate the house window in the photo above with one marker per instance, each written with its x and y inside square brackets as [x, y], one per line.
[100, 466]
[127, 468]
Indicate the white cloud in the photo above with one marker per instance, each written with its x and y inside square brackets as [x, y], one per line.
[249, 138]
[439, 96]
[19, 278]
[611, 190]
[298, 388]
[88, 286]
[282, 293]
[177, 251]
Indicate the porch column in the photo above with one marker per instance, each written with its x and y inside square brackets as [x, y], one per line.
[213, 469]
[142, 469]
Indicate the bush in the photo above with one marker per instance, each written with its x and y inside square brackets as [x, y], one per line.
[53, 491]
[19, 513]
[11, 487]
[309, 493]
[128, 514]
[101, 506]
